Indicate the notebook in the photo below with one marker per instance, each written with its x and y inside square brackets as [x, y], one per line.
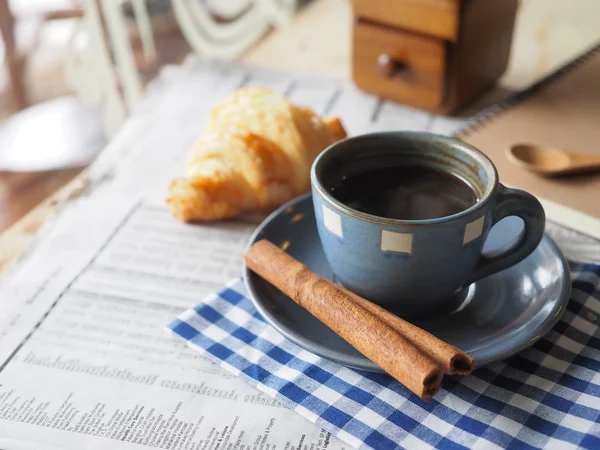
[563, 111]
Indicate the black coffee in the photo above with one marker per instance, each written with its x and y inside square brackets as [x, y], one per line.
[406, 192]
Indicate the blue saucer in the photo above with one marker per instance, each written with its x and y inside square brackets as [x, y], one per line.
[498, 316]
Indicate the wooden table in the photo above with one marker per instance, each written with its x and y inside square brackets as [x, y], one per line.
[319, 43]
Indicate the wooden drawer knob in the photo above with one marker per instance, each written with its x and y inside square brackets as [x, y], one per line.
[390, 67]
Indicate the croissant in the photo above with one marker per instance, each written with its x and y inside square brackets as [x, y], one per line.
[255, 154]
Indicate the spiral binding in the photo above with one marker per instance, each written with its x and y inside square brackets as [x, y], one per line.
[491, 113]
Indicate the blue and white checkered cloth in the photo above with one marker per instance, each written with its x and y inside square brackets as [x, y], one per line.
[547, 396]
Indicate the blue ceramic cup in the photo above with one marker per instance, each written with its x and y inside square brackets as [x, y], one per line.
[417, 267]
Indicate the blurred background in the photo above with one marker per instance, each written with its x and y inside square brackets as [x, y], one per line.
[73, 70]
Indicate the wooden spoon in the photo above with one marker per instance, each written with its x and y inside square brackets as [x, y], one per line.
[551, 161]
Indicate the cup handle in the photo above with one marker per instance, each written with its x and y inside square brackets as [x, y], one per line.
[513, 202]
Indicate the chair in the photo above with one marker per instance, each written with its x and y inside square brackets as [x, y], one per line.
[227, 29]
[56, 134]
[102, 69]
[107, 71]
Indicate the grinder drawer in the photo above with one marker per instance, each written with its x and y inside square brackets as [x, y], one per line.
[398, 65]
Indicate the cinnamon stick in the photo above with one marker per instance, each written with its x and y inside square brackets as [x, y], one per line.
[452, 359]
[332, 305]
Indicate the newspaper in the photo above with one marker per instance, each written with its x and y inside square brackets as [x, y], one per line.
[88, 365]
[84, 360]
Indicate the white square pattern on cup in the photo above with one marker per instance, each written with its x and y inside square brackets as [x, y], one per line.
[396, 242]
[332, 221]
[473, 230]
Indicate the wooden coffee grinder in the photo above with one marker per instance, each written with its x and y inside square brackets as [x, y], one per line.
[436, 55]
